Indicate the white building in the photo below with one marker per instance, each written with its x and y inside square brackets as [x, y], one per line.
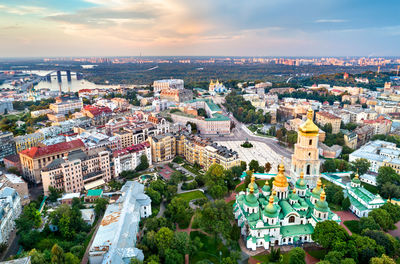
[10, 209]
[115, 239]
[167, 84]
[378, 153]
[129, 158]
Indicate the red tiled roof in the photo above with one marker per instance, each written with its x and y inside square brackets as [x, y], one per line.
[131, 149]
[327, 115]
[95, 110]
[36, 152]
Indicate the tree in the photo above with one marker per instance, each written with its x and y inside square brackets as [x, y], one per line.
[71, 259]
[348, 261]
[216, 218]
[178, 210]
[164, 239]
[389, 190]
[334, 257]
[382, 260]
[368, 223]
[54, 194]
[297, 256]
[253, 165]
[135, 261]
[217, 191]
[36, 257]
[100, 206]
[338, 198]
[243, 165]
[327, 128]
[154, 196]
[181, 242]
[144, 163]
[393, 210]
[172, 256]
[30, 218]
[382, 218]
[267, 167]
[389, 243]
[346, 203]
[327, 233]
[387, 174]
[329, 165]
[366, 248]
[362, 165]
[57, 255]
[236, 172]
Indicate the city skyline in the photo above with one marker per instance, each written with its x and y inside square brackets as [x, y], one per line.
[43, 28]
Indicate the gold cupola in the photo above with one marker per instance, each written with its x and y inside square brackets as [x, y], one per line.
[308, 128]
[280, 179]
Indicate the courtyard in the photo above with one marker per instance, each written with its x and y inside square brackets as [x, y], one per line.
[260, 152]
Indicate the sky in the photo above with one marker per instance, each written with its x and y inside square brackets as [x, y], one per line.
[45, 28]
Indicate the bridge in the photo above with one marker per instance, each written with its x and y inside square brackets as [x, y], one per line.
[29, 85]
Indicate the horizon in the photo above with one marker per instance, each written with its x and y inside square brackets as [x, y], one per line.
[115, 28]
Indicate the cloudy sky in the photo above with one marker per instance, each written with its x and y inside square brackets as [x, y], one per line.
[199, 27]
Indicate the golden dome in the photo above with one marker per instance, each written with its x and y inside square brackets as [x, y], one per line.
[308, 127]
[294, 190]
[302, 175]
[251, 189]
[280, 179]
[323, 196]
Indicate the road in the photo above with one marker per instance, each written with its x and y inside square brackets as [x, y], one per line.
[241, 134]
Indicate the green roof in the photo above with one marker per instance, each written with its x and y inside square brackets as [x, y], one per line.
[363, 194]
[97, 192]
[286, 208]
[296, 230]
[322, 206]
[251, 200]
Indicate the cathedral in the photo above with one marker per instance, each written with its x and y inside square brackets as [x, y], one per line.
[285, 215]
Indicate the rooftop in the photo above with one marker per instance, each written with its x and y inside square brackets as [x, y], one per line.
[36, 152]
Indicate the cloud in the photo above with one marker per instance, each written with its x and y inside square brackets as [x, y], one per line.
[330, 21]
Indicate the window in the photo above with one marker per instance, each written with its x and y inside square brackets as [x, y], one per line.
[310, 142]
[291, 219]
[308, 169]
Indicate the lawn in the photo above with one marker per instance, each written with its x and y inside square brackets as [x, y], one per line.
[211, 249]
[265, 258]
[191, 195]
[242, 187]
[353, 226]
[318, 254]
[192, 169]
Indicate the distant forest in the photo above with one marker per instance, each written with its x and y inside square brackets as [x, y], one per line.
[199, 75]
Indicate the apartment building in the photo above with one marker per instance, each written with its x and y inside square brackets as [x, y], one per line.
[322, 118]
[125, 137]
[176, 95]
[381, 125]
[78, 170]
[129, 158]
[99, 115]
[17, 183]
[36, 158]
[163, 147]
[168, 84]
[350, 139]
[198, 150]
[7, 145]
[66, 105]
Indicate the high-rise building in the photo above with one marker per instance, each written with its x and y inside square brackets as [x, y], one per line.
[306, 154]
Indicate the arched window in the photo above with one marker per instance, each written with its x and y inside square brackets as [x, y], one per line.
[310, 142]
[308, 172]
[291, 219]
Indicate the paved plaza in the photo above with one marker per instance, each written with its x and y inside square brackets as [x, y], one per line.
[260, 152]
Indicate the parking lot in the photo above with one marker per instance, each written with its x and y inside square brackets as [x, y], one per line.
[260, 152]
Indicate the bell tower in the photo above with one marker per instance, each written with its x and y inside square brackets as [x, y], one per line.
[305, 157]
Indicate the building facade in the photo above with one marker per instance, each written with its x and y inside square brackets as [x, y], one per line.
[7, 145]
[163, 147]
[322, 118]
[10, 209]
[66, 105]
[36, 158]
[78, 170]
[129, 158]
[168, 84]
[28, 141]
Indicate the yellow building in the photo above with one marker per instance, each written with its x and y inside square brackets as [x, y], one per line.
[163, 147]
[306, 155]
[28, 141]
[126, 138]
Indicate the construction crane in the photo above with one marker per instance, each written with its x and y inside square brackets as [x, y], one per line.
[379, 69]
[398, 67]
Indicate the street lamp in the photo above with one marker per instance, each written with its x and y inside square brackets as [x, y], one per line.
[220, 255]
